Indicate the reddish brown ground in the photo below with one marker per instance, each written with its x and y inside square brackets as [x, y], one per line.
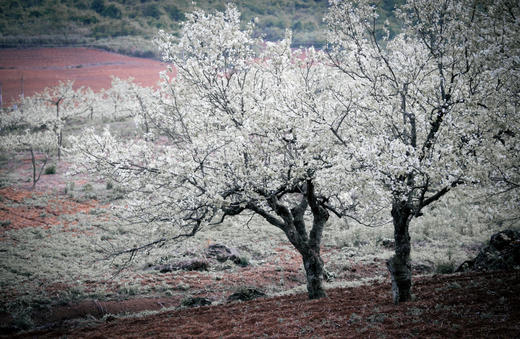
[468, 305]
[15, 203]
[475, 305]
[45, 67]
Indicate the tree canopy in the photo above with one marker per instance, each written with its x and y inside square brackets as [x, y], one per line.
[372, 124]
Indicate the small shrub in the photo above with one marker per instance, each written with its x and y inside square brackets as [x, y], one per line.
[195, 302]
[69, 187]
[245, 294]
[110, 185]
[445, 268]
[5, 223]
[98, 6]
[377, 318]
[354, 318]
[152, 10]
[128, 290]
[243, 261]
[23, 321]
[111, 11]
[50, 169]
[183, 287]
[174, 13]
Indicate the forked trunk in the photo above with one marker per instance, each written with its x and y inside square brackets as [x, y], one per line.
[35, 177]
[399, 265]
[292, 222]
[313, 265]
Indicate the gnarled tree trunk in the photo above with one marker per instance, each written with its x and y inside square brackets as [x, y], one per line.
[399, 265]
[313, 265]
[292, 222]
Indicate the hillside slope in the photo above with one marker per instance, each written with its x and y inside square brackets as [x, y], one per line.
[127, 26]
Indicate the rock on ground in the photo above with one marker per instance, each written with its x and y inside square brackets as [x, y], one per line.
[502, 253]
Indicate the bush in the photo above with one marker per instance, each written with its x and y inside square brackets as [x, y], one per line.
[50, 169]
[195, 301]
[297, 26]
[243, 261]
[112, 12]
[246, 293]
[98, 6]
[445, 268]
[152, 10]
[174, 13]
[35, 14]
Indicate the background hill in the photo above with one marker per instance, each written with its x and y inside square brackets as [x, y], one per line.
[127, 26]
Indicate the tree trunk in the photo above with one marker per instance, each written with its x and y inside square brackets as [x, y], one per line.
[33, 161]
[399, 265]
[313, 265]
[60, 140]
[308, 245]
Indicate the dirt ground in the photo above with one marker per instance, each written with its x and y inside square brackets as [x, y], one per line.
[469, 305]
[475, 305]
[45, 67]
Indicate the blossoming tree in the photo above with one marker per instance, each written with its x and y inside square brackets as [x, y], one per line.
[58, 105]
[234, 132]
[28, 131]
[375, 125]
[424, 110]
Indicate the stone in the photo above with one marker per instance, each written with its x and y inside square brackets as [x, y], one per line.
[423, 267]
[187, 265]
[223, 253]
[195, 302]
[502, 253]
[245, 294]
[386, 243]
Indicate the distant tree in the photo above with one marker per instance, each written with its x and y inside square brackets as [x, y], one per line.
[174, 13]
[111, 11]
[152, 10]
[98, 6]
[428, 110]
[64, 102]
[28, 131]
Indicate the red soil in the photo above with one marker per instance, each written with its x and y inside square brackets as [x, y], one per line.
[17, 210]
[45, 67]
[475, 305]
[18, 214]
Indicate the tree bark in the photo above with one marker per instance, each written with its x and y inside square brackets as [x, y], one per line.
[60, 140]
[33, 161]
[313, 265]
[399, 265]
[292, 222]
